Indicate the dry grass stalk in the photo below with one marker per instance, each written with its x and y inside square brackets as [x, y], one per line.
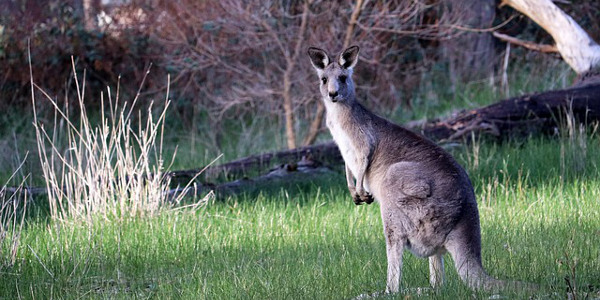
[13, 206]
[112, 170]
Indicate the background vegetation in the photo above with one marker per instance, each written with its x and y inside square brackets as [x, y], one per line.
[228, 64]
[236, 74]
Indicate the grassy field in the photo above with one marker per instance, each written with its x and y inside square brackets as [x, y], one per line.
[540, 223]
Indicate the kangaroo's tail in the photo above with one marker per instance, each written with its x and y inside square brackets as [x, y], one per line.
[464, 244]
[473, 274]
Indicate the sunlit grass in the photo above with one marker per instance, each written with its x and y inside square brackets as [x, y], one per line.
[113, 169]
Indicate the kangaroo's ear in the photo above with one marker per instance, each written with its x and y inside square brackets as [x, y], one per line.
[318, 58]
[349, 57]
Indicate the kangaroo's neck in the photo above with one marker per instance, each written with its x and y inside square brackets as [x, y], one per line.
[338, 112]
[349, 117]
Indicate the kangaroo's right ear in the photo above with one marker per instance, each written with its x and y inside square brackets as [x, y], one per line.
[318, 58]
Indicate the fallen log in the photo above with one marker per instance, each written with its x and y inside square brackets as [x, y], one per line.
[286, 176]
[537, 113]
[325, 153]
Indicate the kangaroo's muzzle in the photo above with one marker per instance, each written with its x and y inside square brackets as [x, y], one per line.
[333, 96]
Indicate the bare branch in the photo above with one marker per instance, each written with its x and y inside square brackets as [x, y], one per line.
[490, 29]
[352, 22]
[526, 44]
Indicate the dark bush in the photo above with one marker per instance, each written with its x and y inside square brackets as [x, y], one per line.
[55, 33]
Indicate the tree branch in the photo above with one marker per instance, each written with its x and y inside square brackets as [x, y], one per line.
[526, 44]
[352, 23]
[574, 44]
[287, 81]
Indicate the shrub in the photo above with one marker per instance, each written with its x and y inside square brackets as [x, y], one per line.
[113, 170]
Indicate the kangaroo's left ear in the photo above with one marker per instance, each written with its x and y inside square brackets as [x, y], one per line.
[349, 57]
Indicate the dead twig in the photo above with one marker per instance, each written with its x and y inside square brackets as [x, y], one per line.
[526, 44]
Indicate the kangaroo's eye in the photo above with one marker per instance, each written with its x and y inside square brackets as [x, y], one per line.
[324, 80]
[343, 78]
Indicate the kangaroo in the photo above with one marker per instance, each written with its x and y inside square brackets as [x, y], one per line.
[427, 201]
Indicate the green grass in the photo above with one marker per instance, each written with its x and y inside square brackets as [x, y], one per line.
[316, 244]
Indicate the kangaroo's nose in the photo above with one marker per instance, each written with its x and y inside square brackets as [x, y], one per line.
[333, 94]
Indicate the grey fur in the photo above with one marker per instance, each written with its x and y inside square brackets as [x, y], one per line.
[427, 202]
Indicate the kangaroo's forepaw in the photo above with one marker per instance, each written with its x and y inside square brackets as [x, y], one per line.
[357, 199]
[362, 198]
[367, 198]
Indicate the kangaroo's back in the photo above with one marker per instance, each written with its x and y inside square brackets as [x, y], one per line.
[398, 144]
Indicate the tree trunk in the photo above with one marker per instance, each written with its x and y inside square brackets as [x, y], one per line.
[288, 109]
[471, 54]
[315, 125]
[574, 45]
[288, 106]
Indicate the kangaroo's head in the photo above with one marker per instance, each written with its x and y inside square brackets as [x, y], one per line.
[335, 76]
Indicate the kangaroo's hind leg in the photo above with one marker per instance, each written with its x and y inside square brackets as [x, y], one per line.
[394, 248]
[436, 270]
[395, 242]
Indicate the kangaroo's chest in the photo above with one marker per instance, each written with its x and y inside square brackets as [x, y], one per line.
[348, 144]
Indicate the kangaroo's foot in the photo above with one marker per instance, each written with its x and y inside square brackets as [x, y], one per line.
[355, 196]
[369, 296]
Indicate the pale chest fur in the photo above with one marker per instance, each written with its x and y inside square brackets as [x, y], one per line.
[346, 144]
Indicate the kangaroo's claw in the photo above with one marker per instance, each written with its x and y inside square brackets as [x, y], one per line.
[360, 198]
[367, 198]
[357, 199]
